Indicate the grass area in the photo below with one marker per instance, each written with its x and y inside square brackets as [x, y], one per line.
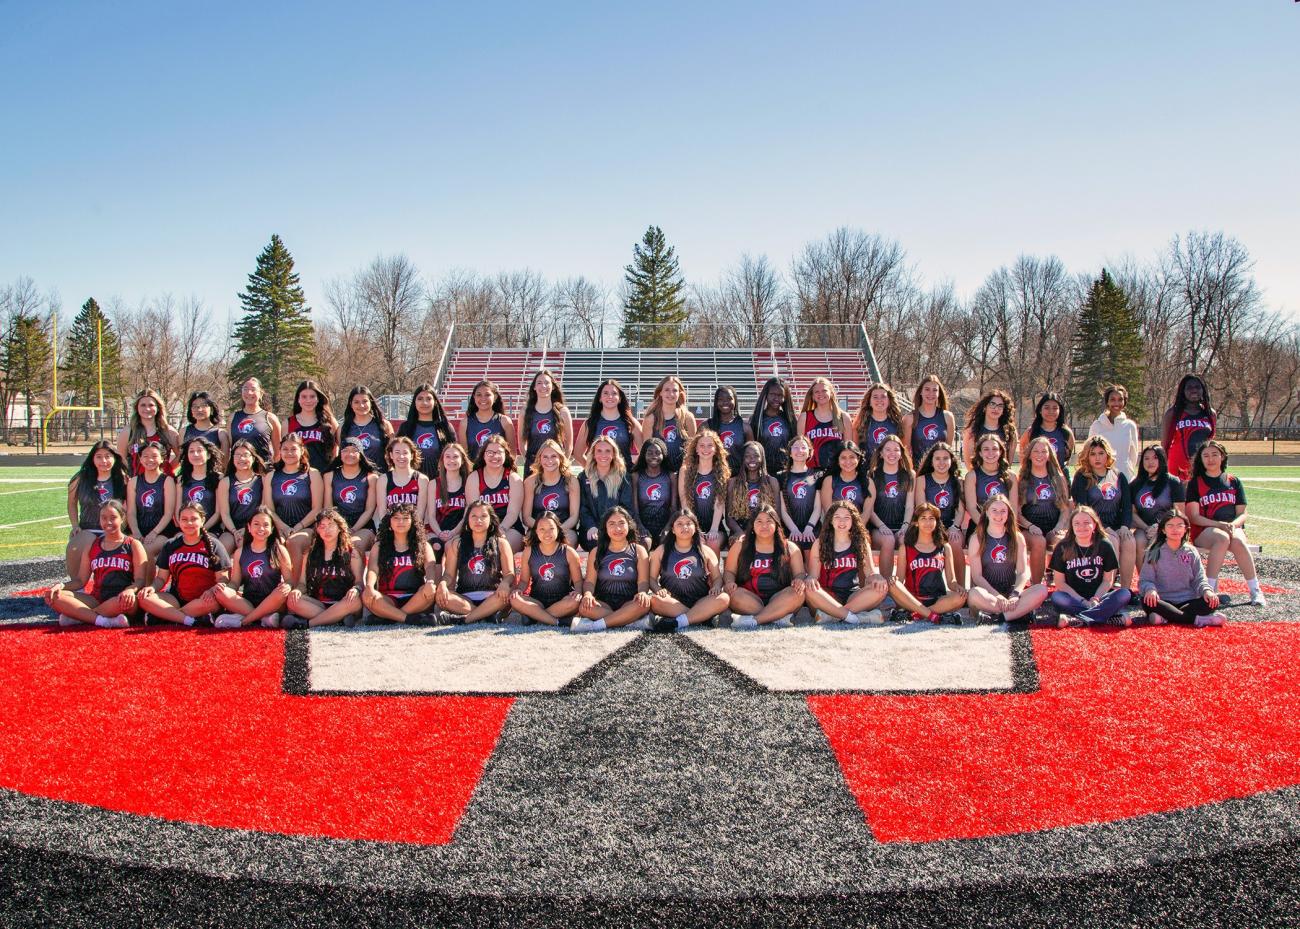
[28, 499]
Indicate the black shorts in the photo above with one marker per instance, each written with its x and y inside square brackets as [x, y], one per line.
[842, 594]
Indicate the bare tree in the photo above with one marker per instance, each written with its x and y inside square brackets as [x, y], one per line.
[394, 299]
[847, 279]
[1213, 276]
[580, 309]
[523, 299]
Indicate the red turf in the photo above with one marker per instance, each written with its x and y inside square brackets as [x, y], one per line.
[1126, 723]
[194, 727]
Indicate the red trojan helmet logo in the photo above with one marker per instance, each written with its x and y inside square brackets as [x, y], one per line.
[349, 494]
[878, 434]
[998, 554]
[891, 488]
[477, 564]
[1147, 500]
[684, 568]
[654, 491]
[931, 431]
[1044, 492]
[425, 439]
[256, 568]
[289, 488]
[148, 498]
[942, 497]
[244, 495]
[546, 571]
[704, 489]
[776, 429]
[196, 493]
[551, 501]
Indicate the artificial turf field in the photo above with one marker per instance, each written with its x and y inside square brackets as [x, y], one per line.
[817, 776]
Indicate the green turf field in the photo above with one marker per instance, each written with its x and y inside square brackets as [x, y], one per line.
[33, 520]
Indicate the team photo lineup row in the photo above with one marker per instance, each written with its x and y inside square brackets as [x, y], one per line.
[438, 561]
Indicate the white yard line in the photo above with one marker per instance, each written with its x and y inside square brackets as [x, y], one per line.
[33, 480]
[1271, 480]
[50, 519]
[37, 490]
[1269, 519]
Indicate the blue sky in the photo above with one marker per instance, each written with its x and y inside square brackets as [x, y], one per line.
[155, 147]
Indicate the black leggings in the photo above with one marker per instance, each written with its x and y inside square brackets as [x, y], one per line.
[1185, 612]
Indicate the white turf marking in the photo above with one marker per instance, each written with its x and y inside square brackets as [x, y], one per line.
[45, 490]
[1270, 519]
[1271, 480]
[30, 522]
[881, 658]
[455, 659]
[33, 480]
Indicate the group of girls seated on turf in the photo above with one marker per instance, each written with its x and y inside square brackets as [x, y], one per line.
[327, 519]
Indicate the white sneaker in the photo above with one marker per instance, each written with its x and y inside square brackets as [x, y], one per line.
[228, 621]
[867, 618]
[66, 621]
[641, 625]
[1211, 619]
[271, 621]
[1257, 598]
[785, 622]
[744, 621]
[821, 616]
[1156, 619]
[113, 622]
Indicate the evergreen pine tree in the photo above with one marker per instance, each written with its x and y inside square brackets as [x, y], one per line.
[25, 360]
[1107, 349]
[274, 340]
[80, 368]
[654, 314]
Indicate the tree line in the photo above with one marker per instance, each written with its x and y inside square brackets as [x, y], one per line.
[1032, 325]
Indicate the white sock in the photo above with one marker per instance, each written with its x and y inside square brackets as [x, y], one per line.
[597, 625]
[1214, 583]
[188, 620]
[682, 621]
[103, 621]
[1253, 585]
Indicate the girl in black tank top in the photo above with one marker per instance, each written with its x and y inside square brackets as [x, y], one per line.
[398, 587]
[1000, 567]
[256, 592]
[536, 425]
[351, 491]
[844, 584]
[151, 499]
[924, 582]
[327, 585]
[940, 483]
[479, 570]
[654, 491]
[686, 577]
[802, 503]
[616, 586]
[254, 422]
[547, 591]
[426, 425]
[552, 488]
[240, 491]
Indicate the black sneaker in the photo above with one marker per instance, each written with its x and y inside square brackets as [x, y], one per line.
[422, 619]
[290, 622]
[663, 624]
[990, 618]
[900, 615]
[355, 619]
[952, 618]
[1225, 599]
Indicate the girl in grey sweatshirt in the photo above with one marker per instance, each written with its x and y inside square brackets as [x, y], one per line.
[1172, 582]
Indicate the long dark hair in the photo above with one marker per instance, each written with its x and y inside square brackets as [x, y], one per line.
[1158, 543]
[1198, 461]
[602, 540]
[491, 550]
[737, 487]
[415, 541]
[364, 465]
[760, 407]
[1161, 478]
[782, 573]
[316, 562]
[214, 411]
[495, 439]
[1013, 526]
[441, 425]
[207, 538]
[259, 464]
[905, 473]
[350, 417]
[913, 533]
[668, 537]
[943, 393]
[87, 474]
[324, 415]
[859, 539]
[893, 413]
[531, 540]
[213, 476]
[956, 472]
[624, 410]
[557, 403]
[273, 541]
[498, 403]
[1062, 421]
[1006, 422]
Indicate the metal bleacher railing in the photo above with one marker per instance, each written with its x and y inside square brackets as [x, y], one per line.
[798, 355]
